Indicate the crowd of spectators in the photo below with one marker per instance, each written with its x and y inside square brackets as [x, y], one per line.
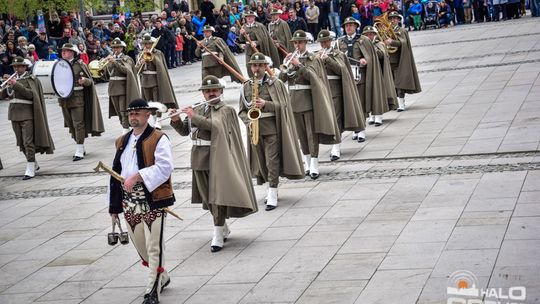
[177, 24]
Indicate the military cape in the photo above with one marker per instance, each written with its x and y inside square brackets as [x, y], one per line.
[290, 157]
[265, 45]
[42, 135]
[132, 85]
[353, 117]
[93, 120]
[228, 58]
[389, 84]
[406, 76]
[230, 181]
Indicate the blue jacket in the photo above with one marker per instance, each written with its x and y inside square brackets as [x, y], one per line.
[198, 24]
[415, 9]
[231, 39]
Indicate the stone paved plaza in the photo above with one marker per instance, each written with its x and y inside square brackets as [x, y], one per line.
[451, 184]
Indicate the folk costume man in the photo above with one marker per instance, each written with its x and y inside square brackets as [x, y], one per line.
[123, 85]
[216, 45]
[402, 62]
[260, 40]
[311, 102]
[345, 96]
[144, 159]
[28, 115]
[277, 152]
[369, 79]
[221, 178]
[280, 33]
[155, 81]
[389, 86]
[82, 112]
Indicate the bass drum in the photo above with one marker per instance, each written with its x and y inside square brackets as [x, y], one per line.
[56, 77]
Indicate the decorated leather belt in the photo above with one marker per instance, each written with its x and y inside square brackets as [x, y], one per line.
[23, 101]
[333, 77]
[78, 88]
[150, 72]
[298, 87]
[267, 114]
[117, 78]
[201, 142]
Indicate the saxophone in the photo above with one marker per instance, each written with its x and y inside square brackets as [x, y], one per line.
[254, 113]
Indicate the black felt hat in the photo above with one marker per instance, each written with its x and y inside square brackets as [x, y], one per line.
[139, 104]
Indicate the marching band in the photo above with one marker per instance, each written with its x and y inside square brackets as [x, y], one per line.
[310, 100]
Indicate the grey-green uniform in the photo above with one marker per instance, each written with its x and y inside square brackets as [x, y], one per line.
[351, 45]
[221, 180]
[403, 64]
[28, 115]
[149, 80]
[21, 115]
[218, 47]
[73, 106]
[269, 144]
[199, 129]
[123, 86]
[209, 65]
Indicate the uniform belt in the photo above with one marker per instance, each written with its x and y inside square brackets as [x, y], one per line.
[150, 72]
[267, 114]
[333, 77]
[300, 87]
[78, 88]
[201, 142]
[117, 78]
[23, 101]
[207, 53]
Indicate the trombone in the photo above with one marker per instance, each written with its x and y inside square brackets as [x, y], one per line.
[5, 83]
[147, 55]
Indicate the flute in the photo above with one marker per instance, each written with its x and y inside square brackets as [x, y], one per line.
[193, 106]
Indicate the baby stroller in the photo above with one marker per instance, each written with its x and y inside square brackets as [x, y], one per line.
[432, 15]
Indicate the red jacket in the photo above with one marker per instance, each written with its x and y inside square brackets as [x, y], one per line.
[84, 57]
[179, 43]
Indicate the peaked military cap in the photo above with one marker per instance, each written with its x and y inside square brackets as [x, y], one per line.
[70, 47]
[250, 13]
[276, 11]
[147, 38]
[299, 35]
[139, 104]
[258, 58]
[208, 28]
[211, 82]
[19, 61]
[118, 43]
[351, 20]
[394, 14]
[324, 35]
[369, 29]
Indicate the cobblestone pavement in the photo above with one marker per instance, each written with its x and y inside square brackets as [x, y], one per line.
[451, 184]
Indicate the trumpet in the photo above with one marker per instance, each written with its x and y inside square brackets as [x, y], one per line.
[285, 67]
[5, 83]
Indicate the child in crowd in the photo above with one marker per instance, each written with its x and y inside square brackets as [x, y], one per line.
[179, 46]
[82, 53]
[231, 41]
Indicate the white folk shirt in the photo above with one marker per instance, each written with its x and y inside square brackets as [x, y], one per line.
[155, 175]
